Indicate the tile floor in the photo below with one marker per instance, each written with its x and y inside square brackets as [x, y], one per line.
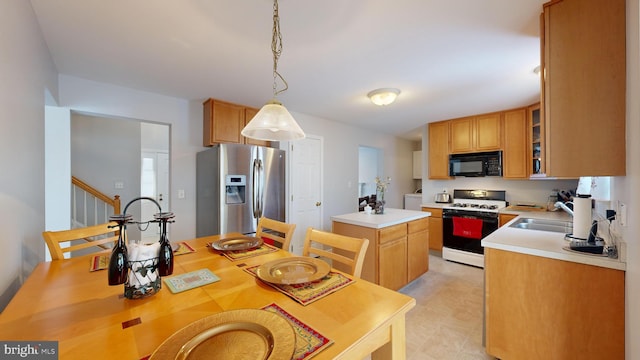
[446, 322]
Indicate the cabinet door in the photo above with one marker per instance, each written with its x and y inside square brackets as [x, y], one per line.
[392, 264]
[585, 57]
[505, 218]
[462, 138]
[417, 254]
[536, 146]
[222, 122]
[488, 132]
[249, 113]
[439, 150]
[435, 228]
[515, 150]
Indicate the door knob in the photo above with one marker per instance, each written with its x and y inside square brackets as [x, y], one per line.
[318, 203]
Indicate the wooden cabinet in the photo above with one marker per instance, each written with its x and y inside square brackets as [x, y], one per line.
[476, 134]
[223, 121]
[435, 228]
[439, 150]
[584, 69]
[417, 248]
[542, 308]
[505, 218]
[396, 255]
[535, 144]
[515, 159]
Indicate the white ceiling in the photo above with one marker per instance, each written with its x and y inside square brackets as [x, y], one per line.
[449, 58]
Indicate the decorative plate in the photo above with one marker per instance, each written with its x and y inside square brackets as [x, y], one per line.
[237, 243]
[235, 334]
[293, 270]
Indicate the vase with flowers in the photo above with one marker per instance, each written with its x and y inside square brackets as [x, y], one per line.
[381, 189]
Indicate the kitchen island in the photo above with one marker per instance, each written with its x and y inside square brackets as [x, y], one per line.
[398, 249]
[543, 302]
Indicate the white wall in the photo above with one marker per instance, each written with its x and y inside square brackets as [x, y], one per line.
[184, 117]
[27, 70]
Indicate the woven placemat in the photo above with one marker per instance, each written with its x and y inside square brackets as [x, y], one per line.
[306, 293]
[309, 342]
[234, 255]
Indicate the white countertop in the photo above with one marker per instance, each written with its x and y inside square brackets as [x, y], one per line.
[377, 221]
[544, 243]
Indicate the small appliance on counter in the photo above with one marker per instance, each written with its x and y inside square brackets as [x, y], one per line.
[443, 198]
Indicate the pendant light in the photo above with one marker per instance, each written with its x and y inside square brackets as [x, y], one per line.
[273, 122]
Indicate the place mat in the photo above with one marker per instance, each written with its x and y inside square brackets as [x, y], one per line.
[306, 293]
[190, 280]
[309, 342]
[183, 248]
[101, 262]
[234, 255]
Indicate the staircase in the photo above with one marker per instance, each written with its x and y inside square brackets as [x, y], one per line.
[90, 206]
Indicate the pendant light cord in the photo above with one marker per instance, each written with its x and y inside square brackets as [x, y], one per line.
[276, 49]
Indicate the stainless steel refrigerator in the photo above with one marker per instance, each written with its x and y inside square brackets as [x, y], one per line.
[236, 185]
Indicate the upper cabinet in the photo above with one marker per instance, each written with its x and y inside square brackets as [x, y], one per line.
[583, 69]
[439, 150]
[515, 150]
[223, 122]
[476, 133]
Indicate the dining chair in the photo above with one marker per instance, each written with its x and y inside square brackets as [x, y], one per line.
[346, 250]
[275, 231]
[97, 236]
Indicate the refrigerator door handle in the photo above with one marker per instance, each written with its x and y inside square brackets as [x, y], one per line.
[261, 186]
[255, 199]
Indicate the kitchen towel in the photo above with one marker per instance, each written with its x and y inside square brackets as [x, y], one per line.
[467, 227]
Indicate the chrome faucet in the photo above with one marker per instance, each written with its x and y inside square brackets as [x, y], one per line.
[561, 205]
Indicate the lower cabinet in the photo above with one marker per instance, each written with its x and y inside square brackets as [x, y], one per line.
[505, 218]
[396, 255]
[435, 228]
[542, 308]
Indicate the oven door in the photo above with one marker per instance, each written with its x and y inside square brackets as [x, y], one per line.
[463, 230]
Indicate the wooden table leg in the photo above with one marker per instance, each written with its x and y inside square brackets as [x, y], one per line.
[396, 348]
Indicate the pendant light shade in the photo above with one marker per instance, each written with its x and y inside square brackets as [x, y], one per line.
[273, 123]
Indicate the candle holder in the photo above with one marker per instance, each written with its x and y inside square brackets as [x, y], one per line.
[138, 266]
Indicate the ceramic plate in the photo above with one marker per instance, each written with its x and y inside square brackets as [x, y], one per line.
[234, 334]
[293, 270]
[237, 243]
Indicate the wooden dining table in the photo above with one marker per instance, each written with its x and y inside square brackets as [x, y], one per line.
[64, 301]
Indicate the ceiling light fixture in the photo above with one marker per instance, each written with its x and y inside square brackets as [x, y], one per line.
[273, 122]
[383, 96]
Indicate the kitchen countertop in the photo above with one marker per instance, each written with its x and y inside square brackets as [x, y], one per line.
[544, 243]
[377, 221]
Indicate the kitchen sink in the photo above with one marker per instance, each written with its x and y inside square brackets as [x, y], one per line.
[565, 227]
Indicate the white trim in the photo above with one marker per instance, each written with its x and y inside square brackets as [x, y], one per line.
[464, 257]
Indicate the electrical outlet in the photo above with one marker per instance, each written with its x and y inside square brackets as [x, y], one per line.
[622, 213]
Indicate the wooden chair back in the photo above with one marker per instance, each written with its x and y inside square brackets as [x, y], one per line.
[346, 250]
[276, 231]
[81, 238]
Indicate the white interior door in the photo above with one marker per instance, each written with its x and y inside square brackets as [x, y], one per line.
[306, 187]
[154, 183]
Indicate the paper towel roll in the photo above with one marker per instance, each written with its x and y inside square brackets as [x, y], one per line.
[581, 217]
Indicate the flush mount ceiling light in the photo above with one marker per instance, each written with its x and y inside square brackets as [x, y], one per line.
[383, 96]
[273, 122]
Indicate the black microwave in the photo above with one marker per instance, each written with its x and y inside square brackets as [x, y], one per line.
[476, 164]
